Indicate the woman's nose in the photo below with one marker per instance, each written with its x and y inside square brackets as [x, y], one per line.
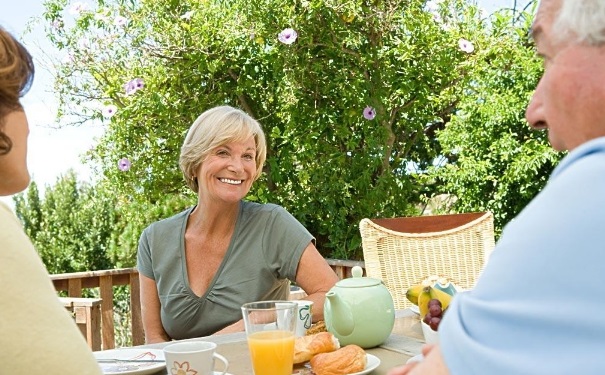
[235, 165]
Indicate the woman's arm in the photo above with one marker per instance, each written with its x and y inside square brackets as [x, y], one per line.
[315, 276]
[150, 311]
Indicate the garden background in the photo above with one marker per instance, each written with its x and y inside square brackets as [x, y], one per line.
[371, 109]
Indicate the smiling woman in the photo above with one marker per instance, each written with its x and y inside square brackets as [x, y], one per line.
[200, 266]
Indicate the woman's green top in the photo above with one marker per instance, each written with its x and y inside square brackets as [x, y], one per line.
[262, 258]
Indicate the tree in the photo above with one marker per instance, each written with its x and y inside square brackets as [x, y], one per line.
[492, 159]
[351, 95]
[71, 227]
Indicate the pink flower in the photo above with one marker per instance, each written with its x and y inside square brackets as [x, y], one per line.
[109, 110]
[465, 46]
[134, 85]
[124, 164]
[287, 36]
[369, 113]
[77, 8]
[120, 21]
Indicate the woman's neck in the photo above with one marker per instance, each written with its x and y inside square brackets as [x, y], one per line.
[213, 219]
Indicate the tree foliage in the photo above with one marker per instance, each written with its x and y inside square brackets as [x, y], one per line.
[72, 226]
[327, 163]
[492, 159]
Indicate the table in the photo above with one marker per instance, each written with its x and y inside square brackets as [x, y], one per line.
[404, 342]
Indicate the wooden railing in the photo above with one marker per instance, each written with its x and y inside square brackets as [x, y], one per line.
[105, 280]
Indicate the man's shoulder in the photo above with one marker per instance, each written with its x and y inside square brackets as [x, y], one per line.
[586, 160]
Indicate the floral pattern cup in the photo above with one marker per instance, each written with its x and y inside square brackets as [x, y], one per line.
[193, 358]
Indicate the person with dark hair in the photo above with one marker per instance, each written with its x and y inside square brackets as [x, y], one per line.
[37, 334]
[537, 307]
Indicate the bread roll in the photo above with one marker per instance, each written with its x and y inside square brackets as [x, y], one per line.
[346, 360]
[306, 347]
[317, 327]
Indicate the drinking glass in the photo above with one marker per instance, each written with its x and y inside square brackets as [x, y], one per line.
[270, 328]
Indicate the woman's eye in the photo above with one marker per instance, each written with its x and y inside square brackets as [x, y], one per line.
[222, 153]
[248, 157]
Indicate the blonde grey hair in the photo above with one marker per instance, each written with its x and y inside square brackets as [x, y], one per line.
[581, 21]
[216, 127]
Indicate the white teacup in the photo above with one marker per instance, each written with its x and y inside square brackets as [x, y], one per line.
[304, 317]
[193, 357]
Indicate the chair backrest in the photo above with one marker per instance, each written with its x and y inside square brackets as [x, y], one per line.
[403, 251]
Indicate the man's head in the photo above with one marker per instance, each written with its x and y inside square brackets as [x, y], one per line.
[569, 101]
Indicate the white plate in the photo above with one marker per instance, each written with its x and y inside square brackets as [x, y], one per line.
[372, 363]
[416, 358]
[139, 368]
[415, 309]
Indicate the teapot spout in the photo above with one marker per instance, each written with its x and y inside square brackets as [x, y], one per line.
[342, 316]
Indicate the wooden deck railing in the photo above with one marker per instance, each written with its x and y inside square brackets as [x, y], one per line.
[105, 280]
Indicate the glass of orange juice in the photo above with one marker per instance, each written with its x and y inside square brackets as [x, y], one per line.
[270, 328]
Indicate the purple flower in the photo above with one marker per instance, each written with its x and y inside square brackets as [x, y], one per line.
[369, 113]
[465, 45]
[139, 83]
[287, 36]
[120, 21]
[77, 8]
[124, 164]
[134, 85]
[109, 110]
[57, 24]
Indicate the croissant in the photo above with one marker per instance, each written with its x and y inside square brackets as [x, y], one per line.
[346, 360]
[306, 347]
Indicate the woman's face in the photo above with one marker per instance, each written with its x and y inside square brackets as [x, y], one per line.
[228, 172]
[14, 176]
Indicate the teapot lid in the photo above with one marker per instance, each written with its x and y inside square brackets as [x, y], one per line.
[358, 280]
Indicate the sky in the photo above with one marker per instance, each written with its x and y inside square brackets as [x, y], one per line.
[52, 151]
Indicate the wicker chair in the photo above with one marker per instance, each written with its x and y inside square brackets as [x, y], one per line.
[403, 251]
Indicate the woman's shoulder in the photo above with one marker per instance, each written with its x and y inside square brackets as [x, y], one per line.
[169, 223]
[255, 208]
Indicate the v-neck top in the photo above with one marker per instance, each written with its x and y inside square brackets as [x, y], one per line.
[262, 258]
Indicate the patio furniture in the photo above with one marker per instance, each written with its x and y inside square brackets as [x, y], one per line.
[403, 251]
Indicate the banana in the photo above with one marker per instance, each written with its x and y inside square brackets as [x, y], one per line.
[423, 300]
[442, 296]
[413, 292]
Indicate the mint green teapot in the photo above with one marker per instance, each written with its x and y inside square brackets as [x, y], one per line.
[359, 310]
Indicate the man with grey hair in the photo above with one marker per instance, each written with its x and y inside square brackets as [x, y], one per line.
[538, 306]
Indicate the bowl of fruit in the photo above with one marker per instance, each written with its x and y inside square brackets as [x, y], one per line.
[432, 296]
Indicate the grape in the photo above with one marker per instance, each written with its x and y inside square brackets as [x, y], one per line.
[434, 301]
[435, 323]
[435, 310]
[427, 318]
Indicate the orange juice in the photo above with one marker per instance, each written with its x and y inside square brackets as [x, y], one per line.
[272, 352]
